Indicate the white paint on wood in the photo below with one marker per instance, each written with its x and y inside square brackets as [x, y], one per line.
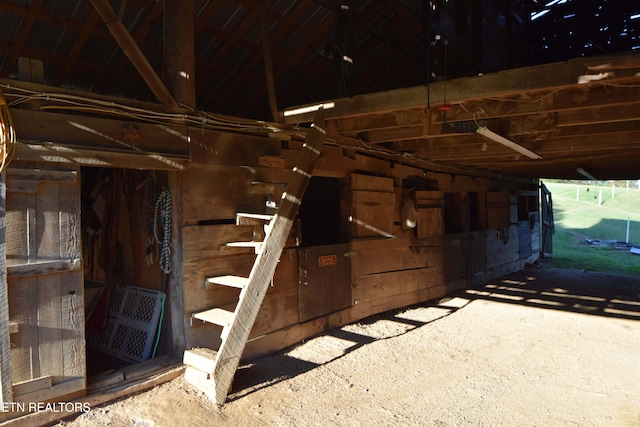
[231, 281]
[201, 358]
[217, 316]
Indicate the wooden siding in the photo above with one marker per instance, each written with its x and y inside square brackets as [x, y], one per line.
[390, 268]
[45, 281]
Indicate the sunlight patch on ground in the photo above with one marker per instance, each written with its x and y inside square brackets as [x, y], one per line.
[424, 315]
[332, 348]
[380, 329]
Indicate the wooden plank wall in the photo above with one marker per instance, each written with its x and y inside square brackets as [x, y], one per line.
[390, 268]
[45, 280]
[229, 176]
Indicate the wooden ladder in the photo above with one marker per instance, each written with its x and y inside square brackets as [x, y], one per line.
[213, 371]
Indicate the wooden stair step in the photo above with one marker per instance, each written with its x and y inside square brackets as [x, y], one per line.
[252, 219]
[231, 281]
[253, 244]
[203, 359]
[237, 324]
[217, 316]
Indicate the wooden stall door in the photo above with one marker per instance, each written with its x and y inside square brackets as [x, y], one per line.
[547, 222]
[324, 280]
[45, 283]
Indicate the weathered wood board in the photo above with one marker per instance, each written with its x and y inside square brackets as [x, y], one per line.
[216, 193]
[45, 278]
[498, 210]
[502, 246]
[372, 213]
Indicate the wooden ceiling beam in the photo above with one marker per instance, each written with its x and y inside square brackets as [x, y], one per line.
[393, 127]
[483, 148]
[373, 122]
[601, 157]
[114, 73]
[133, 52]
[546, 77]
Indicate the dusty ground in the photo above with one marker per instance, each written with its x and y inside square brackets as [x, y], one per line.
[544, 347]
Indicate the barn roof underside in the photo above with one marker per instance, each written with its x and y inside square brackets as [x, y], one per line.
[592, 126]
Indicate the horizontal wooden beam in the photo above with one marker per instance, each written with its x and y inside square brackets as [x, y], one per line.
[500, 84]
[86, 156]
[42, 268]
[99, 133]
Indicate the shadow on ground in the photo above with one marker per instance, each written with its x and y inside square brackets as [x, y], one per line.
[539, 286]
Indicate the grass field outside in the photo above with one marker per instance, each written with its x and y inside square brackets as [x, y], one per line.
[597, 212]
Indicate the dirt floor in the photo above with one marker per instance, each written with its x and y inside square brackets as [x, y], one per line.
[543, 347]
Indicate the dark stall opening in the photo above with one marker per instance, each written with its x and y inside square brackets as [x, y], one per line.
[123, 225]
[322, 212]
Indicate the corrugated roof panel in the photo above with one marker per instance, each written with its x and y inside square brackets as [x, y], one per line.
[23, 3]
[362, 7]
[75, 10]
[360, 39]
[228, 17]
[238, 57]
[283, 7]
[315, 16]
[9, 26]
[156, 32]
[133, 17]
[254, 35]
[206, 45]
[50, 37]
[291, 43]
[100, 50]
[216, 82]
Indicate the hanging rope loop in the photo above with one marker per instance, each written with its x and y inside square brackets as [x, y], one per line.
[162, 234]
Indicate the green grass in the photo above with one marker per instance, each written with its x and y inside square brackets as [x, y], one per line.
[577, 220]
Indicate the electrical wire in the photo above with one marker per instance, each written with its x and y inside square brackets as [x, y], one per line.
[209, 121]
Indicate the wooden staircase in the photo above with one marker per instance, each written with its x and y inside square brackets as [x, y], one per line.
[213, 371]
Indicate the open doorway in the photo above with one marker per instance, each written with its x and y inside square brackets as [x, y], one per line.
[322, 212]
[324, 263]
[126, 223]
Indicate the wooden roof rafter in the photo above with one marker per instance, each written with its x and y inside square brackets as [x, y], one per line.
[133, 52]
[138, 37]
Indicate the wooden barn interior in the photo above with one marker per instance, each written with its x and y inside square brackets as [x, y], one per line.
[187, 185]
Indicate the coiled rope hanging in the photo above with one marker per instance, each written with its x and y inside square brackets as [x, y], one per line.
[162, 214]
[7, 134]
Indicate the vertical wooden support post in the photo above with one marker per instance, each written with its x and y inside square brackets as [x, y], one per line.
[6, 394]
[179, 76]
[268, 66]
[179, 53]
[175, 290]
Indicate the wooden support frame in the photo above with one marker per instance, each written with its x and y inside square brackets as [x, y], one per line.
[133, 52]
